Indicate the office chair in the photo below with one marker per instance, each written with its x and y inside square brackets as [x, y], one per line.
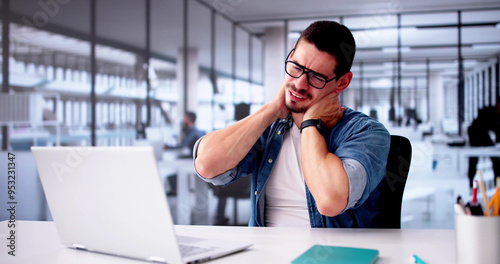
[393, 184]
[239, 189]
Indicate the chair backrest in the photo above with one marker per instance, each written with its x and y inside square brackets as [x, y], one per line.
[239, 189]
[393, 184]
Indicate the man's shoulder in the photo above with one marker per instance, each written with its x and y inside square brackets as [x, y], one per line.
[358, 119]
[358, 127]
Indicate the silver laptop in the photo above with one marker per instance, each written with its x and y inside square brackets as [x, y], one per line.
[111, 200]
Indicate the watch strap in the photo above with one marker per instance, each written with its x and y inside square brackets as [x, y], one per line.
[313, 122]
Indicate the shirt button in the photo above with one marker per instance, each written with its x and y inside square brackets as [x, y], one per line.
[270, 160]
[279, 132]
[255, 193]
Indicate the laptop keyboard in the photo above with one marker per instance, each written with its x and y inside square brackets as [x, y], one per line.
[187, 250]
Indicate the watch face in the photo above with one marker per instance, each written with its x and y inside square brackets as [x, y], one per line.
[320, 126]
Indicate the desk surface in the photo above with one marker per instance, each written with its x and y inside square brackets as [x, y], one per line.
[37, 242]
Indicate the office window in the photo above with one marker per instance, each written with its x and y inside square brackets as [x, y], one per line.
[257, 64]
[223, 45]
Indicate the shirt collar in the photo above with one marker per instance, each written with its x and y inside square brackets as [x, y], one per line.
[288, 121]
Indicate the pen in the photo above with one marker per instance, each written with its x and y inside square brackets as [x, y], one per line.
[418, 260]
[496, 210]
[474, 192]
[474, 209]
[460, 207]
[483, 192]
[494, 204]
[460, 201]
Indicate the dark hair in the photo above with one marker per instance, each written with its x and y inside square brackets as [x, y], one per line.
[191, 116]
[333, 38]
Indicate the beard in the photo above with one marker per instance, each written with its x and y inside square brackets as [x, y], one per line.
[293, 106]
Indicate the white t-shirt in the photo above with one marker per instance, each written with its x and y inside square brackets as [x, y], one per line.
[286, 202]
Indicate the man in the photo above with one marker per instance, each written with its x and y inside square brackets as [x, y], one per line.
[190, 133]
[487, 120]
[312, 162]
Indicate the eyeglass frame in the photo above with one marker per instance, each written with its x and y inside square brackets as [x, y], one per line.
[307, 71]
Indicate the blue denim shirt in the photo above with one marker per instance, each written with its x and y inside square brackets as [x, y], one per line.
[355, 137]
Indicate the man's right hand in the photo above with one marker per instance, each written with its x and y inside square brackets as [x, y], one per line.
[223, 149]
[278, 103]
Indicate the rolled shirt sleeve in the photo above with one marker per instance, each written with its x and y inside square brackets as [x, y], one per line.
[357, 181]
[220, 179]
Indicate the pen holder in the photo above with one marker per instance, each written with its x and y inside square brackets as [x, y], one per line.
[478, 239]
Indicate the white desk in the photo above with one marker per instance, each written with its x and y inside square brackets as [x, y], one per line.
[37, 242]
[463, 153]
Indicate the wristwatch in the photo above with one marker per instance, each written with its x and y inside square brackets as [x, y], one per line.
[313, 122]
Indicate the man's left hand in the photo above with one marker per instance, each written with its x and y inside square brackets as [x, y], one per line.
[328, 109]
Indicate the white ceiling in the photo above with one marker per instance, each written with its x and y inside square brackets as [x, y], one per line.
[245, 10]
[121, 23]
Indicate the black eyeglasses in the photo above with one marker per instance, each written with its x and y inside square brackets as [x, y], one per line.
[314, 79]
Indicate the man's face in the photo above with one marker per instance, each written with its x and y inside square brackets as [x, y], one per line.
[299, 94]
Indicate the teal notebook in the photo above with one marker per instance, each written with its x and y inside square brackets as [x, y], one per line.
[337, 255]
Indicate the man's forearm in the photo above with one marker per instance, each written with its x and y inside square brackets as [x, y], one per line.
[223, 149]
[324, 173]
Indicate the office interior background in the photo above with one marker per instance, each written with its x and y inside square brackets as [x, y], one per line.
[123, 72]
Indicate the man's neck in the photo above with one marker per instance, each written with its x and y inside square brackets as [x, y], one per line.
[298, 118]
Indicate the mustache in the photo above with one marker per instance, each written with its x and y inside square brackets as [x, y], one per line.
[298, 91]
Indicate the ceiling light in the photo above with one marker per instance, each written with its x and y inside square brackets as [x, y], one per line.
[395, 49]
[486, 46]
[294, 35]
[388, 64]
[392, 65]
